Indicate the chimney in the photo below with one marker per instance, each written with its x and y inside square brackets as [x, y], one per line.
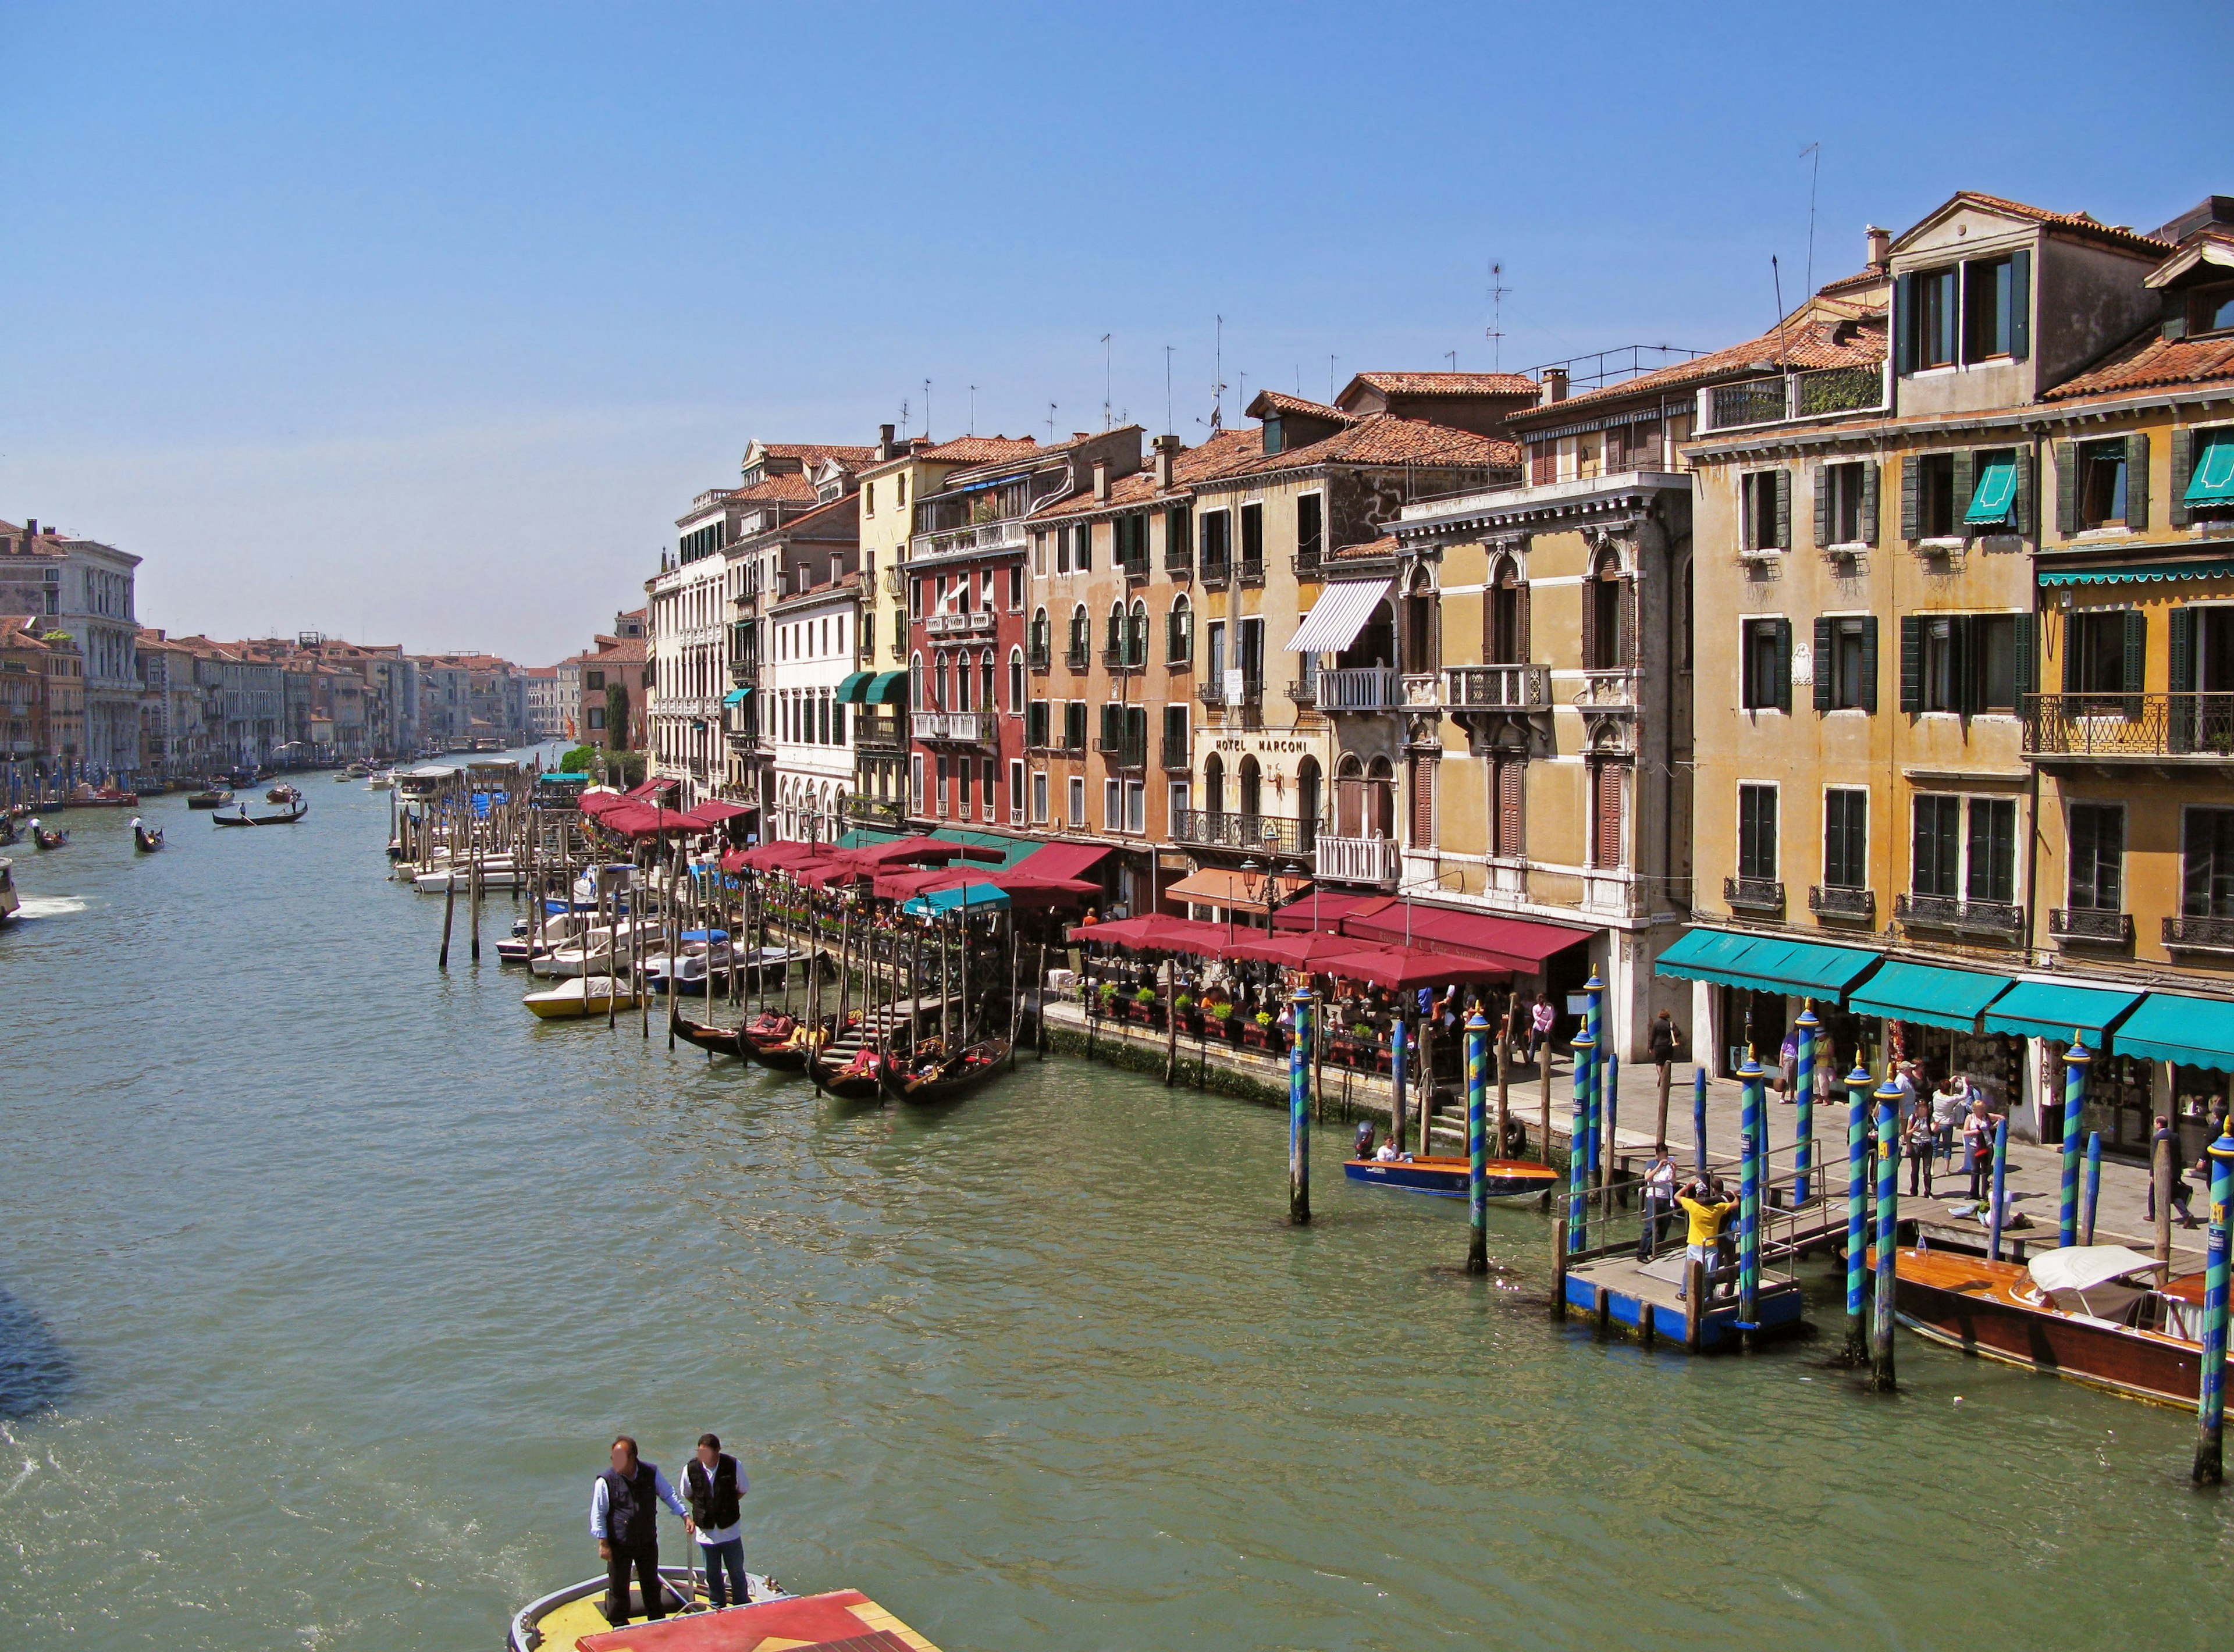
[884, 441]
[1101, 477]
[1553, 387]
[1168, 452]
[30, 530]
[1880, 246]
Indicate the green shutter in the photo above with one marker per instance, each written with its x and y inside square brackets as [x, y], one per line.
[1870, 664]
[1959, 638]
[1822, 663]
[1911, 472]
[2070, 652]
[1904, 326]
[2067, 488]
[1783, 664]
[2137, 481]
[1112, 720]
[2021, 518]
[2182, 462]
[1966, 479]
[1783, 510]
[2179, 665]
[1822, 506]
[1911, 663]
[2019, 304]
[1869, 502]
[2026, 662]
[2137, 650]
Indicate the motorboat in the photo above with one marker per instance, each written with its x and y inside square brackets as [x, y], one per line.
[498, 871]
[283, 792]
[8, 903]
[107, 797]
[380, 780]
[592, 951]
[146, 838]
[1448, 1176]
[582, 995]
[42, 838]
[214, 798]
[559, 928]
[703, 956]
[568, 1617]
[2098, 1314]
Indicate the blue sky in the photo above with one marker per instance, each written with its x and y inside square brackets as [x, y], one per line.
[422, 325]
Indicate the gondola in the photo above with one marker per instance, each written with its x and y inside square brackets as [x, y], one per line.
[718, 1041]
[42, 838]
[146, 841]
[1445, 1176]
[779, 1054]
[245, 819]
[7, 830]
[215, 798]
[858, 1078]
[951, 1079]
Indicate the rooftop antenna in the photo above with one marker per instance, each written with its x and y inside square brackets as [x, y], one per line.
[1218, 379]
[904, 416]
[926, 409]
[1050, 424]
[973, 409]
[1777, 276]
[1330, 361]
[1106, 338]
[1452, 356]
[1495, 331]
[1241, 399]
[1816, 150]
[1167, 388]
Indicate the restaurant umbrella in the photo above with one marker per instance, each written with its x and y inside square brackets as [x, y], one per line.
[1401, 968]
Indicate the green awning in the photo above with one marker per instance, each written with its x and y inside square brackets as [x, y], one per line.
[1927, 993]
[868, 838]
[2052, 1010]
[1767, 964]
[2125, 573]
[849, 691]
[889, 688]
[2175, 1027]
[2212, 481]
[1994, 497]
[1012, 849]
[736, 696]
[980, 898]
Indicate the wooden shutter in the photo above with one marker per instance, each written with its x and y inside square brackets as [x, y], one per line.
[2180, 666]
[1520, 623]
[1822, 506]
[2183, 463]
[1911, 663]
[1606, 835]
[2137, 479]
[1869, 664]
[2021, 507]
[1628, 621]
[2070, 652]
[2067, 488]
[1823, 670]
[1589, 623]
[1511, 786]
[1911, 474]
[1112, 716]
[1966, 479]
[1904, 326]
[2137, 646]
[1869, 502]
[2028, 663]
[1960, 636]
[2021, 304]
[1783, 664]
[1423, 802]
[1783, 486]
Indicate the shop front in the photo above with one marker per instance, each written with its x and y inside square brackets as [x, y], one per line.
[1933, 1015]
[2191, 1041]
[1751, 988]
[2053, 1013]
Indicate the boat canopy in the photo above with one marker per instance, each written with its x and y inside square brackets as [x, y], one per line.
[2084, 1266]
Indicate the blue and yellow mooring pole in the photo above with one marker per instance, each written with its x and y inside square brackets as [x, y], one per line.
[2094, 1181]
[1998, 1193]
[1881, 1369]
[1756, 1124]
[2074, 1103]
[1803, 1158]
[1594, 1029]
[1858, 1083]
[2210, 1404]
[1396, 1132]
[1477, 1147]
[1579, 1148]
[1699, 1121]
[1299, 1111]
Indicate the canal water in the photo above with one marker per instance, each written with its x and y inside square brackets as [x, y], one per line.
[324, 1280]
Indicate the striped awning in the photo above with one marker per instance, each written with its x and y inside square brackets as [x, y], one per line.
[1337, 616]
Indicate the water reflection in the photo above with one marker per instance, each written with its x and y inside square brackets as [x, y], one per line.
[36, 1372]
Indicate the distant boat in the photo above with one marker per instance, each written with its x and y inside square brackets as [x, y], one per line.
[1445, 1176]
[9, 904]
[948, 1080]
[109, 797]
[214, 798]
[704, 957]
[283, 792]
[559, 928]
[582, 995]
[245, 819]
[42, 838]
[380, 780]
[145, 839]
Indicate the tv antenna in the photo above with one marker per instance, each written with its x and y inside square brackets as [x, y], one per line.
[1495, 331]
[1105, 347]
[1050, 424]
[1814, 177]
[973, 409]
[1452, 356]
[926, 409]
[1218, 378]
[1167, 386]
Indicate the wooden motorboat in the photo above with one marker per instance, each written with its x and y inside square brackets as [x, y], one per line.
[214, 798]
[1447, 1175]
[592, 951]
[561, 1619]
[145, 839]
[768, 1618]
[8, 903]
[107, 797]
[582, 995]
[42, 838]
[703, 959]
[947, 1080]
[2091, 1313]
[283, 792]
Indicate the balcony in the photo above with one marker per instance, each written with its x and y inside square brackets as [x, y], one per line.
[1177, 754]
[1178, 560]
[963, 728]
[2183, 934]
[1134, 567]
[1305, 563]
[1358, 860]
[1607, 691]
[1078, 656]
[745, 672]
[1127, 751]
[1036, 656]
[1305, 694]
[1498, 688]
[1252, 571]
[1818, 394]
[1372, 688]
[1995, 920]
[743, 740]
[1124, 659]
[1834, 900]
[877, 732]
[896, 582]
[962, 624]
[2082, 926]
[1252, 833]
[1214, 573]
[986, 536]
[1754, 894]
[2129, 728]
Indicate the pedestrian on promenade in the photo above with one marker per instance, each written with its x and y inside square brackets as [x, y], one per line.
[1788, 1067]
[1978, 1145]
[1705, 1212]
[1950, 1102]
[1920, 1141]
[624, 1520]
[2166, 1142]
[1664, 1042]
[1659, 1202]
[716, 1487]
[1541, 1018]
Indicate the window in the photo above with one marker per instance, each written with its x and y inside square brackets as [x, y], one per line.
[1951, 863]
[915, 598]
[1252, 656]
[1136, 805]
[992, 772]
[1990, 873]
[1423, 801]
[1846, 838]
[2210, 309]
[1179, 632]
[2207, 863]
[1966, 663]
[1311, 528]
[1039, 553]
[1757, 833]
[1136, 634]
[868, 631]
[1936, 862]
[988, 676]
[1606, 788]
[1929, 510]
[1177, 801]
[1015, 679]
[965, 771]
[1073, 726]
[1081, 547]
[915, 684]
[1215, 528]
[1042, 638]
[1988, 309]
[1016, 589]
[1217, 660]
[1608, 644]
[1035, 724]
[1081, 638]
[915, 782]
[1993, 501]
[2098, 488]
[2097, 838]
[1845, 504]
[1765, 665]
[1175, 753]
[1039, 797]
[2105, 652]
[1113, 807]
[1847, 662]
[593, 680]
[1766, 504]
[944, 766]
[1508, 783]
[1253, 539]
[1928, 320]
[598, 717]
[1505, 640]
[1128, 544]
[1063, 550]
[961, 700]
[1078, 800]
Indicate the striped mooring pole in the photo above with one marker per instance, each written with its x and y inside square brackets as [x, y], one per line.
[2210, 1405]
[1396, 1132]
[1999, 1191]
[1594, 1029]
[2093, 1182]
[1881, 1365]
[1299, 1112]
[2075, 1103]
[1699, 1121]
[1858, 1202]
[1803, 1158]
[1579, 1148]
[1476, 1154]
[1755, 1122]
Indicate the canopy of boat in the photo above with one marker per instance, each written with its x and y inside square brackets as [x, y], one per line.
[2084, 1266]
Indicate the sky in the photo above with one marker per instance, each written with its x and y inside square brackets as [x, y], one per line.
[424, 324]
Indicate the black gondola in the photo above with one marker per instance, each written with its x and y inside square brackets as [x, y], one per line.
[145, 841]
[718, 1041]
[245, 819]
[42, 838]
[951, 1079]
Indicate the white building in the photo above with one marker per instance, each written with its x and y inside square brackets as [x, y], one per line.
[546, 716]
[814, 645]
[95, 607]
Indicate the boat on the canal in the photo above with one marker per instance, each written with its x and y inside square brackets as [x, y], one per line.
[283, 792]
[8, 903]
[592, 951]
[582, 995]
[245, 819]
[2095, 1314]
[107, 797]
[146, 838]
[704, 957]
[215, 797]
[42, 838]
[947, 1080]
[559, 928]
[573, 1620]
[1447, 1175]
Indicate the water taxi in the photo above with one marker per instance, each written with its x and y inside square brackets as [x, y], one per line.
[1445, 1175]
[582, 995]
[574, 1618]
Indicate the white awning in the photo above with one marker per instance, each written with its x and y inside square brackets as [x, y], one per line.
[1337, 616]
[2084, 1266]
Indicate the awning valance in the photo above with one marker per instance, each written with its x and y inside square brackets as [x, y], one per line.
[737, 696]
[2055, 1010]
[888, 690]
[1931, 994]
[2212, 481]
[1767, 964]
[1995, 495]
[1216, 886]
[2176, 1026]
[2140, 573]
[849, 691]
[1337, 616]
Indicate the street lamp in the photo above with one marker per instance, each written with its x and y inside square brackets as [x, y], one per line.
[1252, 877]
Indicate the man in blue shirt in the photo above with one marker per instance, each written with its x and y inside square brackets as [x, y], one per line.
[624, 1520]
[717, 1486]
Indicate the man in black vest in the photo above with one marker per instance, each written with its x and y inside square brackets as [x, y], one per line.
[716, 1487]
[624, 1520]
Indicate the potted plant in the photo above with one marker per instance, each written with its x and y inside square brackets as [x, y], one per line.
[1221, 1021]
[1108, 997]
[1144, 1005]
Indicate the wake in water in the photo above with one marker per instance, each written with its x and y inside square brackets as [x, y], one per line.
[49, 907]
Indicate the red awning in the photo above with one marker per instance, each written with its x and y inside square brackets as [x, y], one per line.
[1326, 912]
[651, 789]
[1404, 967]
[917, 851]
[1158, 932]
[1063, 860]
[1305, 951]
[643, 821]
[1518, 942]
[775, 857]
[713, 811]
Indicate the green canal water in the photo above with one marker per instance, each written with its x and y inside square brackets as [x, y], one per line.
[324, 1280]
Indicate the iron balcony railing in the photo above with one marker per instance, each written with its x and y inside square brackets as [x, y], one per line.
[2115, 726]
[1370, 688]
[1252, 570]
[1124, 659]
[876, 731]
[2102, 928]
[969, 727]
[1305, 563]
[2001, 920]
[1078, 656]
[2185, 933]
[1836, 900]
[744, 739]
[1178, 559]
[745, 670]
[1177, 754]
[1261, 833]
[1036, 656]
[1125, 751]
[1755, 894]
[1358, 860]
[1134, 567]
[1815, 394]
[1498, 688]
[1215, 571]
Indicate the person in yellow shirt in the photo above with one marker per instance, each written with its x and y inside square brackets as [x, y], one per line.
[1706, 1214]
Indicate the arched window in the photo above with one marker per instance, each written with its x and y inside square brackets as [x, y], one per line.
[1380, 799]
[961, 700]
[1136, 634]
[1607, 643]
[915, 682]
[1214, 784]
[1081, 637]
[1115, 641]
[1505, 639]
[1042, 639]
[1016, 690]
[1307, 799]
[1420, 627]
[988, 677]
[1252, 791]
[1349, 798]
[1179, 632]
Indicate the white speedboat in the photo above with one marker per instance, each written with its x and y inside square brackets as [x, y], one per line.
[588, 953]
[705, 957]
[558, 929]
[584, 996]
[497, 873]
[379, 781]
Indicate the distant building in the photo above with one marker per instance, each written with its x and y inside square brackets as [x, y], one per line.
[545, 720]
[86, 588]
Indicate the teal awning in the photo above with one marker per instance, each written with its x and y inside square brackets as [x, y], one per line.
[1012, 849]
[2052, 1010]
[2173, 1027]
[2125, 573]
[868, 838]
[1995, 496]
[2212, 481]
[1767, 964]
[736, 696]
[1929, 994]
[888, 690]
[979, 898]
[849, 691]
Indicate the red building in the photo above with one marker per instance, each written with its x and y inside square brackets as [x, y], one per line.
[967, 589]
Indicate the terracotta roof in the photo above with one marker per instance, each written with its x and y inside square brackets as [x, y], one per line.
[1384, 439]
[815, 517]
[2152, 359]
[1448, 383]
[2081, 223]
[1381, 547]
[813, 453]
[1225, 454]
[979, 450]
[1278, 402]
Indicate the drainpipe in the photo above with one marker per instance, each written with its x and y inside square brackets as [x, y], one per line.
[2032, 770]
